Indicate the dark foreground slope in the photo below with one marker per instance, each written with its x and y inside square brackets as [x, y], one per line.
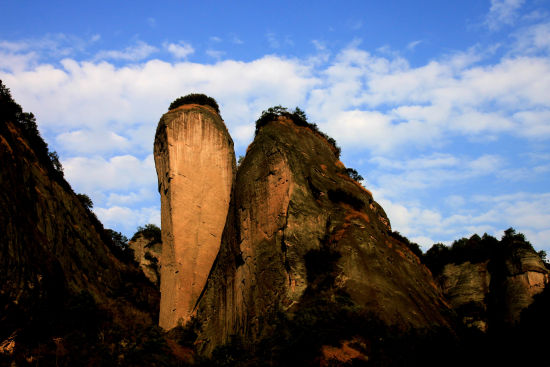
[307, 260]
[68, 296]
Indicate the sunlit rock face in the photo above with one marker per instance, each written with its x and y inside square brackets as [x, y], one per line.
[298, 230]
[195, 164]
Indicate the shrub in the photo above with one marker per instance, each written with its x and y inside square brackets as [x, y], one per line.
[195, 98]
[353, 174]
[150, 231]
[119, 245]
[411, 245]
[85, 200]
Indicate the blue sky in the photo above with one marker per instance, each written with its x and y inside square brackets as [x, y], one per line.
[443, 107]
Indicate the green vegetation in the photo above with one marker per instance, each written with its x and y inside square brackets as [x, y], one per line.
[149, 231]
[195, 98]
[411, 245]
[353, 174]
[85, 200]
[118, 243]
[240, 160]
[299, 118]
[475, 249]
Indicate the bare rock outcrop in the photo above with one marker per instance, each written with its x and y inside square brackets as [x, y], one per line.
[147, 253]
[466, 286]
[525, 277]
[495, 291]
[195, 165]
[299, 232]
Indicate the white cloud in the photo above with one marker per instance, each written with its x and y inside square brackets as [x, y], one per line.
[532, 39]
[16, 62]
[412, 45]
[179, 50]
[132, 198]
[141, 50]
[527, 213]
[503, 12]
[128, 101]
[124, 219]
[17, 56]
[92, 142]
[396, 179]
[216, 54]
[373, 105]
[119, 173]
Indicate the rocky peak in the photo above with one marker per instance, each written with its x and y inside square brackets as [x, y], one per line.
[195, 165]
[300, 230]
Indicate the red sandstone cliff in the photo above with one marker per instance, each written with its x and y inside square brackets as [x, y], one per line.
[195, 164]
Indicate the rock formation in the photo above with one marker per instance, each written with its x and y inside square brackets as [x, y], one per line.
[195, 165]
[300, 230]
[526, 276]
[147, 253]
[466, 287]
[495, 291]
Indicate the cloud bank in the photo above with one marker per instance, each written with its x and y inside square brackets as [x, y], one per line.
[399, 123]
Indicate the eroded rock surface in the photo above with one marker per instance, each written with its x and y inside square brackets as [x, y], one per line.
[147, 253]
[495, 291]
[195, 165]
[466, 286]
[526, 276]
[299, 229]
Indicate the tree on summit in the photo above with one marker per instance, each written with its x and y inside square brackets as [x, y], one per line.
[195, 98]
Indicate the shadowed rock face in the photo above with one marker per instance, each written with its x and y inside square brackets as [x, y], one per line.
[494, 291]
[466, 286]
[147, 254]
[195, 165]
[526, 276]
[52, 248]
[298, 227]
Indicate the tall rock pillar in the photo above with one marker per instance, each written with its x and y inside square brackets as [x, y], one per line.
[195, 164]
